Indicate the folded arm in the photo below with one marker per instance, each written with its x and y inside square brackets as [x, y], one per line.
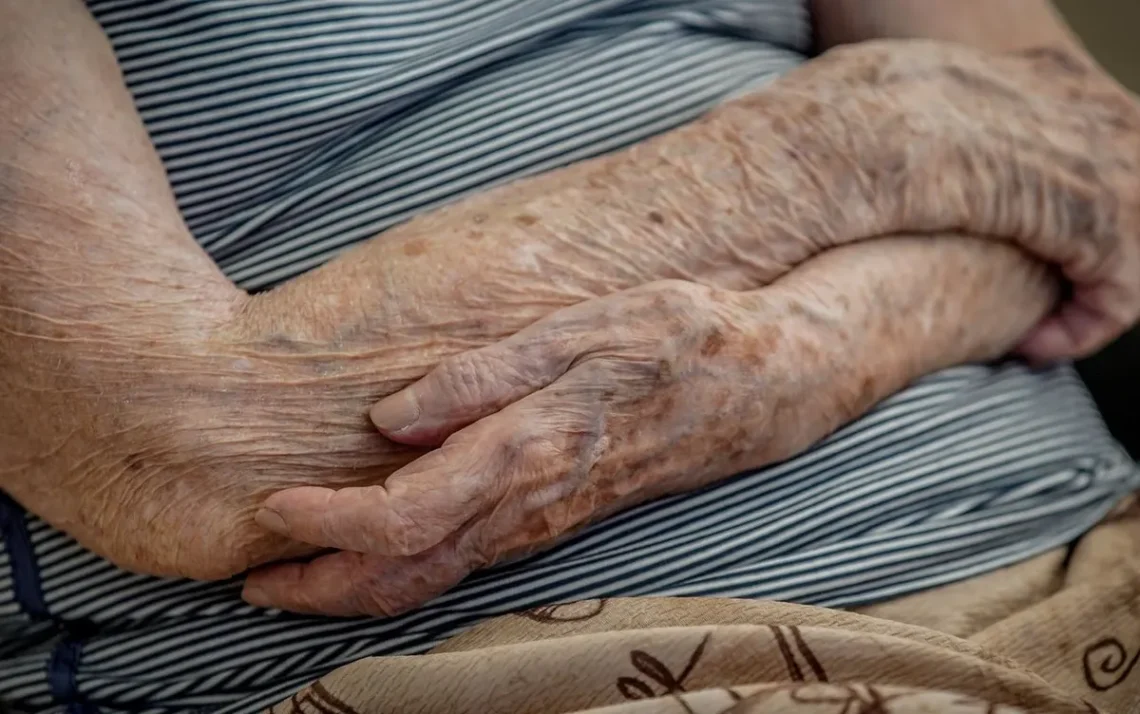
[148, 406]
[651, 391]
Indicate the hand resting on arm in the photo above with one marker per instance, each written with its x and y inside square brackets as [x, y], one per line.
[655, 390]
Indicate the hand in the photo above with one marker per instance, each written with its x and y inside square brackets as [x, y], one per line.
[650, 391]
[1040, 146]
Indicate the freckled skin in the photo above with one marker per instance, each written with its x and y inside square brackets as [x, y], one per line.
[148, 407]
[526, 462]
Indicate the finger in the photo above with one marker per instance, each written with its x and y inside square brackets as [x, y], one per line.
[1082, 326]
[347, 584]
[415, 509]
[426, 501]
[465, 388]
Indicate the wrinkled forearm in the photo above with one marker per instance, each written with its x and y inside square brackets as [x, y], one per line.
[861, 322]
[104, 295]
[718, 202]
[890, 138]
[88, 224]
[656, 390]
[175, 405]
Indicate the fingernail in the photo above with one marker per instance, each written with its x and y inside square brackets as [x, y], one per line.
[271, 520]
[254, 595]
[396, 413]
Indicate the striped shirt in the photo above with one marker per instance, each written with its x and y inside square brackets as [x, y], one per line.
[293, 129]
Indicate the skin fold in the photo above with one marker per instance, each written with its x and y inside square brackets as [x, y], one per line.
[148, 407]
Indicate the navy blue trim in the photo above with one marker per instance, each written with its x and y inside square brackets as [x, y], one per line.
[25, 572]
[63, 669]
[28, 590]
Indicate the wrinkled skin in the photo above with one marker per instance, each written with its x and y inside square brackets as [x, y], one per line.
[150, 408]
[651, 391]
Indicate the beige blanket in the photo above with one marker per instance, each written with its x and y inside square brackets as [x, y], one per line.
[1060, 633]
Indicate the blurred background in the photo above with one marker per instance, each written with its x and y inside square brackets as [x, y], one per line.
[1108, 28]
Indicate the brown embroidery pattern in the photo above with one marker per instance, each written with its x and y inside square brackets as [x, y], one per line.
[656, 671]
[795, 673]
[1107, 664]
[316, 699]
[848, 699]
[566, 612]
[851, 699]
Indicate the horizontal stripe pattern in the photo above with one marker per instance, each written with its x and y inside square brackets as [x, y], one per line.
[968, 470]
[295, 128]
[292, 130]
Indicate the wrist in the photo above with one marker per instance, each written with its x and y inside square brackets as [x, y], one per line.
[859, 323]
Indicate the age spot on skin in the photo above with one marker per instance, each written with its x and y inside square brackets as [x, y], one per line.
[761, 344]
[415, 247]
[526, 220]
[656, 217]
[713, 344]
[1086, 170]
[665, 410]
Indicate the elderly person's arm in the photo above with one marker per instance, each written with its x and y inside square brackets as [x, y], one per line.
[590, 411]
[651, 391]
[1039, 147]
[148, 407]
[107, 306]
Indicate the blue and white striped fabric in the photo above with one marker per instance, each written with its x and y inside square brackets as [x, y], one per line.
[293, 129]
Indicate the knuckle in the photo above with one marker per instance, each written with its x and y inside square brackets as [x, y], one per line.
[528, 365]
[460, 377]
[399, 533]
[492, 373]
[526, 438]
